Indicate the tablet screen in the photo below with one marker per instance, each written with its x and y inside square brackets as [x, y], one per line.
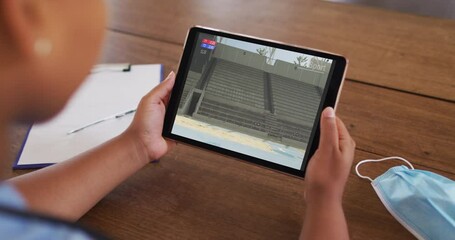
[258, 100]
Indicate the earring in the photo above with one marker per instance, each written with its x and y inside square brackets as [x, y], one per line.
[43, 47]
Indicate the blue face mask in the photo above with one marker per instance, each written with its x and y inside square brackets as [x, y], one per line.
[422, 201]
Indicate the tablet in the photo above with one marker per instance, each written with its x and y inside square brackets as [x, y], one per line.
[253, 99]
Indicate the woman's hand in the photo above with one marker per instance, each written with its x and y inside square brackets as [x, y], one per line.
[326, 176]
[147, 126]
[328, 169]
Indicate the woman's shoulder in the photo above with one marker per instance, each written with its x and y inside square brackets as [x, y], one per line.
[17, 223]
[10, 197]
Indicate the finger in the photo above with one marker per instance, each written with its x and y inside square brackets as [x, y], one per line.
[329, 132]
[166, 99]
[161, 92]
[344, 137]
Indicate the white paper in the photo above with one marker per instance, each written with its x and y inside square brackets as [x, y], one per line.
[102, 94]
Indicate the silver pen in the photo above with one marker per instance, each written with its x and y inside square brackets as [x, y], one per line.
[111, 67]
[119, 115]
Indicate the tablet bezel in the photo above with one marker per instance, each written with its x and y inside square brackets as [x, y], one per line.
[329, 97]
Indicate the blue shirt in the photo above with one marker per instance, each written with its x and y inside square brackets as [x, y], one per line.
[23, 228]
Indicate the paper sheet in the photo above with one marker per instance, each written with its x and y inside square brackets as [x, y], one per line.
[102, 94]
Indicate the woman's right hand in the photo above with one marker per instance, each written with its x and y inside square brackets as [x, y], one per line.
[329, 168]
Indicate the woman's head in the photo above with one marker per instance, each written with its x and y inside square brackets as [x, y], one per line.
[47, 47]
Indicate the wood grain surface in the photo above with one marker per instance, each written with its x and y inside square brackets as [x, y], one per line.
[398, 100]
[400, 51]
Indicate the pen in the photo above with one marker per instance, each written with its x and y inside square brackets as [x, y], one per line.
[116, 116]
[116, 67]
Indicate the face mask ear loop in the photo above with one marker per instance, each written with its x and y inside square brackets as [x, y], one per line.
[357, 169]
[378, 160]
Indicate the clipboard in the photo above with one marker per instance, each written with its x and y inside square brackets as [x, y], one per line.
[107, 91]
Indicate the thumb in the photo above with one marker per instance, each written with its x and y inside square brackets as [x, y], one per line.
[329, 132]
[161, 92]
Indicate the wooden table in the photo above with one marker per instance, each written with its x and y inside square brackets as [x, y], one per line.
[398, 100]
